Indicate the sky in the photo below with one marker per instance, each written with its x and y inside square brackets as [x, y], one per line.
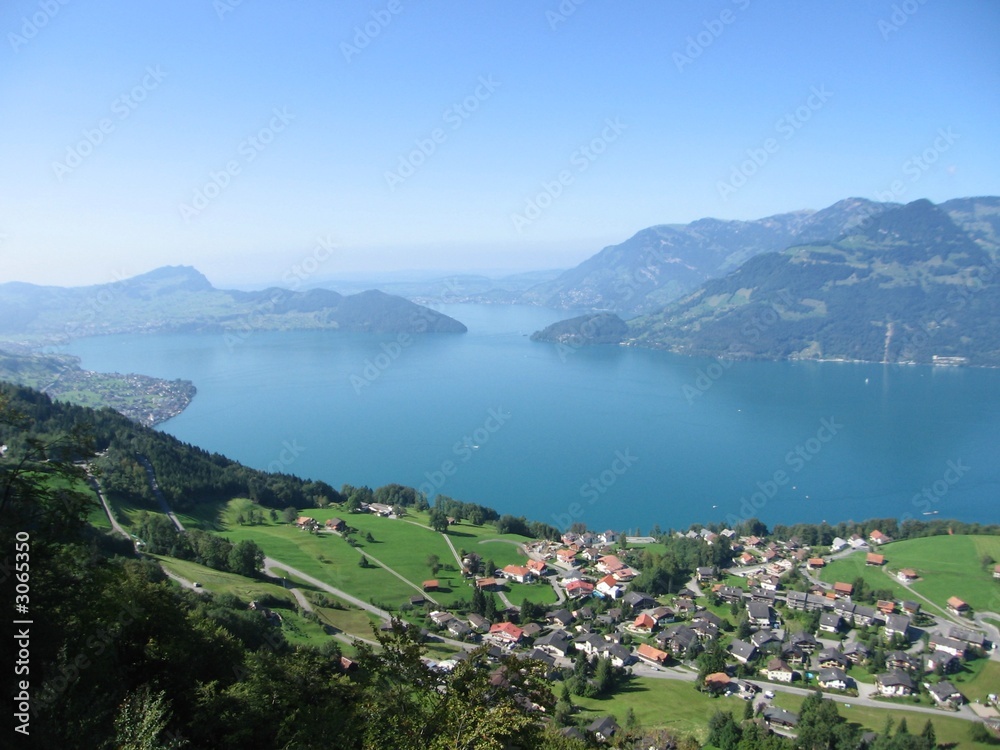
[246, 137]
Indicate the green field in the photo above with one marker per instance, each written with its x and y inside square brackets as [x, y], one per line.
[948, 566]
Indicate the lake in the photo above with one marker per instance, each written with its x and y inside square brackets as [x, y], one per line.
[611, 436]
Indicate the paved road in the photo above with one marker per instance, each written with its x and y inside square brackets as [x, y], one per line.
[107, 508]
[158, 494]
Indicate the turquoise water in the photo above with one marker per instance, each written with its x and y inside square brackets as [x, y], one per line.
[611, 436]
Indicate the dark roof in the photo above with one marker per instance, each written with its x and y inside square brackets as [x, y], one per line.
[780, 716]
[636, 598]
[606, 726]
[832, 673]
[759, 610]
[742, 649]
[895, 677]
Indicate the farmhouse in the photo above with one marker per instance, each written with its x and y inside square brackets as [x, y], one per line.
[488, 584]
[843, 590]
[877, 537]
[874, 559]
[907, 575]
[335, 524]
[306, 523]
[815, 563]
[957, 606]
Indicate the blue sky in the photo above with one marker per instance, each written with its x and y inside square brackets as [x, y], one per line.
[498, 135]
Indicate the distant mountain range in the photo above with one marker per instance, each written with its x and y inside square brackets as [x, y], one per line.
[916, 283]
[179, 298]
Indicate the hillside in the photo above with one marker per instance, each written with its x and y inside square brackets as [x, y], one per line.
[907, 286]
[662, 263]
[179, 298]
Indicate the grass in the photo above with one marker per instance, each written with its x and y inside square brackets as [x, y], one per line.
[853, 566]
[981, 679]
[948, 729]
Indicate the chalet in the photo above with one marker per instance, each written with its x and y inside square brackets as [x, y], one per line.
[479, 623]
[643, 624]
[864, 616]
[806, 641]
[948, 645]
[759, 614]
[590, 554]
[902, 661]
[506, 632]
[857, 652]
[531, 629]
[566, 556]
[838, 544]
[609, 564]
[441, 618]
[458, 628]
[547, 659]
[431, 585]
[843, 590]
[770, 555]
[770, 583]
[894, 684]
[971, 637]
[830, 622]
[619, 655]
[306, 523]
[877, 537]
[624, 575]
[906, 575]
[829, 658]
[556, 643]
[651, 655]
[607, 537]
[730, 593]
[794, 655]
[945, 694]
[807, 602]
[706, 631]
[815, 563]
[873, 559]
[763, 638]
[747, 559]
[610, 587]
[706, 573]
[780, 717]
[762, 595]
[488, 584]
[638, 600]
[603, 729]
[380, 509]
[579, 589]
[685, 607]
[885, 606]
[742, 651]
[717, 682]
[678, 639]
[590, 643]
[518, 573]
[710, 537]
[833, 678]
[562, 617]
[537, 567]
[753, 541]
[939, 660]
[856, 541]
[335, 524]
[896, 625]
[779, 671]
[910, 608]
[663, 615]
[957, 606]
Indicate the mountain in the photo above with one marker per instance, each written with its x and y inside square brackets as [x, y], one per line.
[600, 328]
[908, 285]
[662, 263]
[179, 298]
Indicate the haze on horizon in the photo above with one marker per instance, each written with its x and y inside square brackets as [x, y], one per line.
[488, 137]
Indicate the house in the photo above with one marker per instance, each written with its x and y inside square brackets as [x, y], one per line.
[780, 717]
[537, 567]
[838, 544]
[417, 600]
[556, 643]
[742, 651]
[479, 623]
[764, 637]
[608, 586]
[945, 694]
[830, 622]
[618, 654]
[759, 614]
[885, 606]
[910, 608]
[730, 593]
[380, 509]
[506, 632]
[877, 537]
[607, 537]
[579, 589]
[896, 625]
[531, 629]
[678, 639]
[488, 584]
[805, 602]
[609, 564]
[561, 616]
[957, 606]
[566, 556]
[833, 678]
[900, 660]
[306, 523]
[906, 575]
[864, 616]
[717, 682]
[706, 573]
[843, 590]
[441, 618]
[518, 573]
[651, 655]
[971, 637]
[603, 729]
[857, 652]
[547, 659]
[948, 645]
[753, 541]
[939, 660]
[335, 524]
[794, 655]
[873, 559]
[638, 600]
[806, 641]
[894, 684]
[747, 559]
[815, 563]
[770, 583]
[779, 671]
[663, 615]
[829, 658]
[458, 628]
[643, 624]
[856, 541]
[431, 585]
[590, 643]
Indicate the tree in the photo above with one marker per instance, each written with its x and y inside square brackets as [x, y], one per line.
[363, 562]
[434, 563]
[245, 558]
[289, 514]
[439, 520]
[929, 734]
[141, 722]
[723, 731]
[818, 723]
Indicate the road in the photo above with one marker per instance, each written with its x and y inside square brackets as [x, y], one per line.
[158, 494]
[107, 507]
